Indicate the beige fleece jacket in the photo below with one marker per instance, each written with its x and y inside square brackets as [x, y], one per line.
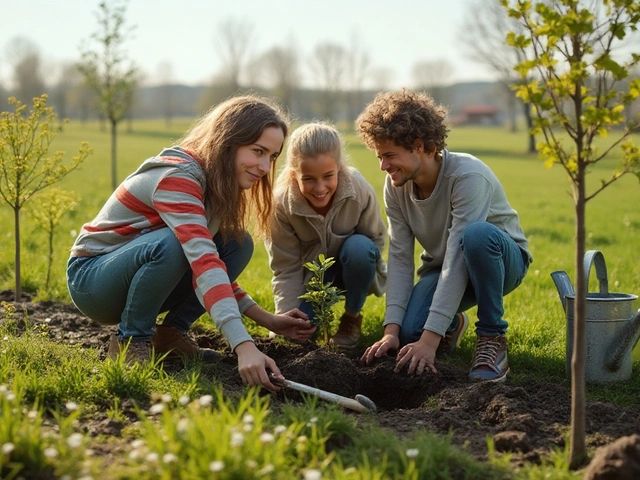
[299, 234]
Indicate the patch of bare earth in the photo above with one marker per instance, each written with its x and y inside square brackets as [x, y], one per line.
[527, 420]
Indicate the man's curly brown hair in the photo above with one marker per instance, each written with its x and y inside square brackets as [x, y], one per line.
[403, 117]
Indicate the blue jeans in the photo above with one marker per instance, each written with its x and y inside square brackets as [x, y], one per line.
[496, 266]
[353, 272]
[149, 275]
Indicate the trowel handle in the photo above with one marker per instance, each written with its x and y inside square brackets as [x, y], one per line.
[322, 394]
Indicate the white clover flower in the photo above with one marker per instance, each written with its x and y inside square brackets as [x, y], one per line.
[50, 452]
[10, 396]
[74, 440]
[266, 470]
[152, 457]
[7, 448]
[5, 338]
[247, 427]
[313, 420]
[312, 474]
[302, 439]
[47, 320]
[89, 452]
[32, 414]
[134, 454]
[73, 233]
[169, 458]
[216, 466]
[267, 437]
[184, 399]
[156, 409]
[412, 452]
[237, 439]
[3, 388]
[205, 400]
[166, 398]
[71, 406]
[616, 283]
[279, 429]
[247, 418]
[183, 425]
[137, 443]
[536, 272]
[251, 464]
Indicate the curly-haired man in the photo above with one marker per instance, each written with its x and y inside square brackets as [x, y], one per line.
[474, 249]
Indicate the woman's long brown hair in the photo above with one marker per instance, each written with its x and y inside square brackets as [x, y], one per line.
[214, 139]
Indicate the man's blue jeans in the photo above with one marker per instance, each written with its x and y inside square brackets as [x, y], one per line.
[149, 275]
[353, 272]
[496, 266]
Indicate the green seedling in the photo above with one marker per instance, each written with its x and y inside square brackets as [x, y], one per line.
[322, 295]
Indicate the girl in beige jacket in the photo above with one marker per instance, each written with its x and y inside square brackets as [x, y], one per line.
[325, 206]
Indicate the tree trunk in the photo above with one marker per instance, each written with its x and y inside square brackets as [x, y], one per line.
[49, 266]
[531, 148]
[16, 220]
[578, 449]
[114, 156]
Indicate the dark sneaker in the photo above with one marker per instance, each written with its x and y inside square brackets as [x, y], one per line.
[177, 344]
[348, 332]
[139, 352]
[490, 363]
[452, 339]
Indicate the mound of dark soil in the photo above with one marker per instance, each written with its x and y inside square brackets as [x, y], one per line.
[527, 420]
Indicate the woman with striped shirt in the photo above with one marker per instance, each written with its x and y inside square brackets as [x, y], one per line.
[172, 238]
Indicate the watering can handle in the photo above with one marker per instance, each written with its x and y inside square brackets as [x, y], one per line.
[595, 257]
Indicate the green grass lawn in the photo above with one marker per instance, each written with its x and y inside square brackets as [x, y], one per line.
[540, 195]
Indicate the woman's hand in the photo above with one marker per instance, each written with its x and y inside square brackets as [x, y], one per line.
[293, 325]
[419, 356]
[390, 341]
[253, 366]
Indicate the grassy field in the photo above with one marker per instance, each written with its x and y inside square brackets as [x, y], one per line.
[537, 321]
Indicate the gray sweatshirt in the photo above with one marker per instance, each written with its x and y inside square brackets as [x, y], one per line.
[466, 191]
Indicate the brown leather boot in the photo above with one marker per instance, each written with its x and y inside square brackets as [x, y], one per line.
[179, 345]
[348, 332]
[136, 351]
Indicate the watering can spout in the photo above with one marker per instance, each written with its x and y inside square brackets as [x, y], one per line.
[623, 343]
[564, 286]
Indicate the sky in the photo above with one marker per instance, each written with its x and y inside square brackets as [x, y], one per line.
[395, 33]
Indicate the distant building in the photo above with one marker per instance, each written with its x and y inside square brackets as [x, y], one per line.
[479, 115]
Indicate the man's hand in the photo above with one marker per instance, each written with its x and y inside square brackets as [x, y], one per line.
[253, 366]
[293, 325]
[390, 341]
[419, 356]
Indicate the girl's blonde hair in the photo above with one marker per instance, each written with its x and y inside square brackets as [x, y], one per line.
[214, 139]
[308, 141]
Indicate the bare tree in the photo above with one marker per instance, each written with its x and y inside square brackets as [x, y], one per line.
[166, 87]
[68, 79]
[485, 26]
[432, 76]
[233, 42]
[358, 67]
[108, 71]
[281, 72]
[24, 57]
[329, 64]
[381, 78]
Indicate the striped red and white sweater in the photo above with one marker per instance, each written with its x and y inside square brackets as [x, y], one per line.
[168, 191]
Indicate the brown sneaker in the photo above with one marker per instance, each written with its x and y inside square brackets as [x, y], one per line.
[490, 363]
[348, 332]
[452, 339]
[136, 351]
[179, 344]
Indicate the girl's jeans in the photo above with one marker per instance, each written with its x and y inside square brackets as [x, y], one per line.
[149, 275]
[496, 266]
[353, 272]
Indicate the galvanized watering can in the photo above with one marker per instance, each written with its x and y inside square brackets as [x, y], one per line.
[612, 330]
